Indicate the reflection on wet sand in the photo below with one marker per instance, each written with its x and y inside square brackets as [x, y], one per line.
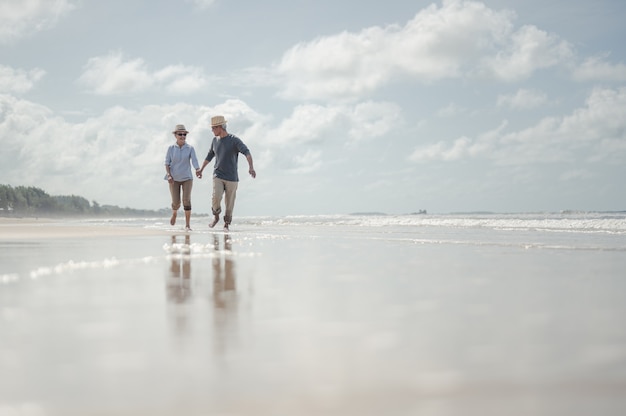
[224, 290]
[224, 282]
[178, 285]
[178, 282]
[188, 297]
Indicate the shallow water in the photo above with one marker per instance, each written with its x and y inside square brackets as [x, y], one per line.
[284, 318]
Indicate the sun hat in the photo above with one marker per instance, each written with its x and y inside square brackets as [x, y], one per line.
[180, 127]
[218, 121]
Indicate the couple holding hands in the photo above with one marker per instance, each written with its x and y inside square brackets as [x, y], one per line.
[225, 149]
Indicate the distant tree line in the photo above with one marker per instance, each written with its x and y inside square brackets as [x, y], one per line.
[31, 201]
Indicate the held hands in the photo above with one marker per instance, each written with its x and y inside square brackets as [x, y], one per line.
[199, 173]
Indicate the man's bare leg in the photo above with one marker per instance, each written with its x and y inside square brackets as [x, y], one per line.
[216, 218]
[173, 219]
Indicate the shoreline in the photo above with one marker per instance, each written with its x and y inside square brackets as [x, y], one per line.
[48, 228]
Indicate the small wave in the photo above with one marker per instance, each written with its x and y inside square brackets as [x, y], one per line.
[566, 221]
[581, 222]
[72, 265]
[9, 277]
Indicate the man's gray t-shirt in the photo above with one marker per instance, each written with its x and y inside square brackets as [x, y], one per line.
[226, 152]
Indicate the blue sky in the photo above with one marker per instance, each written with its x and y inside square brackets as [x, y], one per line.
[347, 106]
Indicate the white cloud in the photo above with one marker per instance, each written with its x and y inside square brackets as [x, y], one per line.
[596, 132]
[460, 38]
[203, 4]
[526, 51]
[295, 144]
[461, 148]
[597, 69]
[18, 80]
[307, 123]
[19, 18]
[523, 99]
[181, 79]
[113, 74]
[373, 119]
[19, 117]
[308, 162]
[310, 123]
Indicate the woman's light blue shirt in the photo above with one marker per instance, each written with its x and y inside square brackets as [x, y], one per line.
[177, 158]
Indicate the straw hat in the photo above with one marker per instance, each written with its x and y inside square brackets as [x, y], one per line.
[218, 121]
[180, 127]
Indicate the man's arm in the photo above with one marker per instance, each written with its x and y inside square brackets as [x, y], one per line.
[207, 160]
[204, 163]
[250, 165]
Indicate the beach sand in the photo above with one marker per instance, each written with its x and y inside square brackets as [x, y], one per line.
[19, 229]
[113, 320]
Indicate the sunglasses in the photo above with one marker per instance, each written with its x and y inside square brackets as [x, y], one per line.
[181, 134]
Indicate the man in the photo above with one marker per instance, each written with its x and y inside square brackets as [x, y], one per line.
[177, 166]
[225, 148]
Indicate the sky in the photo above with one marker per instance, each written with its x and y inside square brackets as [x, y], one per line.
[346, 105]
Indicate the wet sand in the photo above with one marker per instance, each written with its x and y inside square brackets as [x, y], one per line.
[19, 229]
[306, 321]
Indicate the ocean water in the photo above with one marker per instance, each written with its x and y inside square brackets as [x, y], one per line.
[458, 314]
[564, 231]
[566, 222]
